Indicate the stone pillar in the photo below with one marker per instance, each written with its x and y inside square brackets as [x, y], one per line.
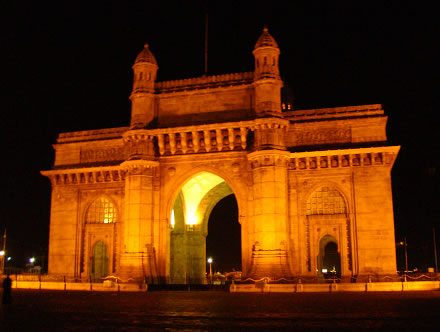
[270, 199]
[138, 258]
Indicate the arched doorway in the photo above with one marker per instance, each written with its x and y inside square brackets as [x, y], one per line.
[329, 259]
[189, 219]
[223, 242]
[99, 262]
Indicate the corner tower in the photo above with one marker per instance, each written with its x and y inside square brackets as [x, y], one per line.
[142, 97]
[267, 79]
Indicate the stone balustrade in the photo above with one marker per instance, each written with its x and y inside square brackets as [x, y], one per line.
[198, 139]
[203, 82]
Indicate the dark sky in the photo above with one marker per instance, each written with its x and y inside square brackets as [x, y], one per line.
[66, 66]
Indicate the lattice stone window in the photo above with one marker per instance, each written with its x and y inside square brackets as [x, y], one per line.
[325, 200]
[101, 211]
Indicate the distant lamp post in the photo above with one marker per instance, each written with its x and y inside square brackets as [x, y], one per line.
[3, 253]
[210, 267]
[405, 244]
[2, 260]
[32, 260]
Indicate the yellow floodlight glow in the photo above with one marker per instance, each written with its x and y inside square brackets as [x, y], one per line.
[194, 191]
[172, 221]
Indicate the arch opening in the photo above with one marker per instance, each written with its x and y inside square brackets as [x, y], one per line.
[223, 242]
[189, 218]
[329, 258]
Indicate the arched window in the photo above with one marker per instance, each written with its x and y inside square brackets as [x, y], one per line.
[101, 211]
[325, 200]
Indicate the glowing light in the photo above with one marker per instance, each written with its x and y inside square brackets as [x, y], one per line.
[172, 219]
[9, 258]
[209, 260]
[191, 220]
[2, 253]
[32, 260]
[194, 191]
[324, 270]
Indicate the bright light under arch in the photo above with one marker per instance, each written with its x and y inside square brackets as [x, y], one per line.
[194, 191]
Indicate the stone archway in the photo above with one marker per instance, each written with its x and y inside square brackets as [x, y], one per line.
[189, 218]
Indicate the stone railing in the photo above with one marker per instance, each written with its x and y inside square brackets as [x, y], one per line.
[218, 137]
[205, 138]
[205, 82]
[336, 112]
[86, 135]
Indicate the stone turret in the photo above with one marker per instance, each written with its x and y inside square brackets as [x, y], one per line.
[267, 79]
[142, 97]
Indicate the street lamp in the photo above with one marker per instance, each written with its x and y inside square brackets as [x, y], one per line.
[2, 260]
[210, 267]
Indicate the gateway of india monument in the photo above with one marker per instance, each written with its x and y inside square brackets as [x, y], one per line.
[134, 201]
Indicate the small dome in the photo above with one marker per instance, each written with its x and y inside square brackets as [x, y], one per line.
[146, 56]
[266, 40]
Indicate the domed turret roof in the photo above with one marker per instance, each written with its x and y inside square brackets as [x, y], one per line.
[266, 40]
[146, 56]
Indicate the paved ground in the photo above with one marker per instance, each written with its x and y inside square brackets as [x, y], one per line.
[180, 310]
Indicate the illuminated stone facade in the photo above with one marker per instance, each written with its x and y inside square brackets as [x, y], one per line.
[135, 201]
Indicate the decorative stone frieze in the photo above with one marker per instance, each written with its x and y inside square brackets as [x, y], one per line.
[85, 176]
[381, 156]
[101, 155]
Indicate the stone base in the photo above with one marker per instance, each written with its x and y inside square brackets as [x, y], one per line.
[269, 264]
[138, 267]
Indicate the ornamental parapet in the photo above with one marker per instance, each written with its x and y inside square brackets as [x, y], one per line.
[91, 135]
[359, 157]
[204, 82]
[335, 112]
[217, 137]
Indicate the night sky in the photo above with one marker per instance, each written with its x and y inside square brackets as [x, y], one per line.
[66, 66]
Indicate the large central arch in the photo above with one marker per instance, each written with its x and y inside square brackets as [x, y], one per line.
[189, 218]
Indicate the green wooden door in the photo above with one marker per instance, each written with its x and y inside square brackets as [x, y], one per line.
[99, 262]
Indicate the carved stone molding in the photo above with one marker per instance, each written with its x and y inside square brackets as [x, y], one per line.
[344, 158]
[267, 158]
[321, 136]
[85, 176]
[138, 144]
[101, 155]
[139, 167]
